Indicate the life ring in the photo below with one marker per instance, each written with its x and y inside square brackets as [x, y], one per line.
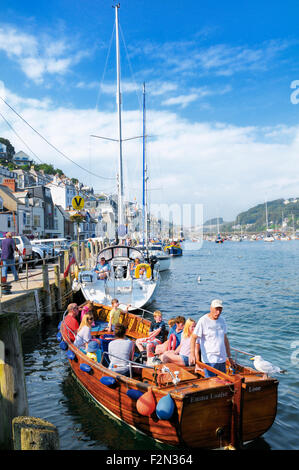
[143, 265]
[171, 342]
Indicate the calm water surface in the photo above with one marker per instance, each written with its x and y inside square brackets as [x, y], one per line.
[258, 283]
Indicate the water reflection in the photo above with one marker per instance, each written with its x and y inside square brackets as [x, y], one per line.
[94, 426]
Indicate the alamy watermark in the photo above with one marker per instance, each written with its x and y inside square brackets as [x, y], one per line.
[167, 221]
[295, 94]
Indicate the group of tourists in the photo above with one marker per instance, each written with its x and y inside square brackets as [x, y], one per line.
[187, 341]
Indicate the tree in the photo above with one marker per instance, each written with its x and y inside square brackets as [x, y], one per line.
[10, 151]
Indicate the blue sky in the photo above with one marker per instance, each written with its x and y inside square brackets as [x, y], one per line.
[224, 131]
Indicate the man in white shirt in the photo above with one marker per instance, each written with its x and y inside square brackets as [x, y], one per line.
[214, 345]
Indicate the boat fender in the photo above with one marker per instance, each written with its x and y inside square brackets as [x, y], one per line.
[63, 345]
[146, 404]
[147, 268]
[59, 336]
[71, 355]
[108, 381]
[165, 407]
[172, 342]
[85, 368]
[134, 394]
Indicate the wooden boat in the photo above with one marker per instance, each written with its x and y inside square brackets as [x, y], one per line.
[227, 410]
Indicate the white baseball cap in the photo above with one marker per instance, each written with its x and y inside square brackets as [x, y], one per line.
[216, 303]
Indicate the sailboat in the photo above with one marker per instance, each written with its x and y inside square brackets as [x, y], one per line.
[268, 237]
[152, 251]
[130, 285]
[218, 239]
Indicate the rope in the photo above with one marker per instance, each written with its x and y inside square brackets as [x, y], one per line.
[53, 146]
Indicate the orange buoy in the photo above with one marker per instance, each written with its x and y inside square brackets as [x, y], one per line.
[146, 404]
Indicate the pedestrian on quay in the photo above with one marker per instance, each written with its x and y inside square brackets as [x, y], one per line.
[211, 330]
[9, 247]
[70, 322]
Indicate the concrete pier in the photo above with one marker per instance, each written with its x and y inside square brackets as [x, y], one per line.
[48, 293]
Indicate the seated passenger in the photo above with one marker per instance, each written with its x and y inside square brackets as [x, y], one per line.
[88, 308]
[133, 267]
[70, 323]
[175, 330]
[181, 354]
[83, 335]
[156, 335]
[115, 314]
[102, 269]
[92, 348]
[121, 350]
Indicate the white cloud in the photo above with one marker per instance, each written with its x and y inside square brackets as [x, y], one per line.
[182, 100]
[225, 167]
[38, 56]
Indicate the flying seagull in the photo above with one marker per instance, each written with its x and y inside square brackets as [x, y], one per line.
[265, 366]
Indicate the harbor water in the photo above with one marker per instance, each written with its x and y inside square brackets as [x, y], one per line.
[258, 283]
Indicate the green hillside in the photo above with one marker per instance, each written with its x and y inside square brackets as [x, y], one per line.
[281, 214]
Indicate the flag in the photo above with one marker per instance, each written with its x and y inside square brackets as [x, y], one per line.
[72, 261]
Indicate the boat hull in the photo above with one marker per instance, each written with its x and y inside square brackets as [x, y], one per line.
[164, 263]
[173, 251]
[102, 292]
[208, 412]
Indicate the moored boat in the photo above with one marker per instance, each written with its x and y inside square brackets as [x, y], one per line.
[174, 249]
[123, 281]
[172, 404]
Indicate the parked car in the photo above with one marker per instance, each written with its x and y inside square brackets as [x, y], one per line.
[41, 252]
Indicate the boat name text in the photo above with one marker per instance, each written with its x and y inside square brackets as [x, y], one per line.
[208, 397]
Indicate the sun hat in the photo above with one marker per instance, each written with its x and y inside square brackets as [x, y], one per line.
[216, 303]
[92, 346]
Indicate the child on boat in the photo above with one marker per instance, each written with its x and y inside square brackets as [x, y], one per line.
[92, 348]
[174, 336]
[88, 308]
[115, 313]
[180, 355]
[156, 335]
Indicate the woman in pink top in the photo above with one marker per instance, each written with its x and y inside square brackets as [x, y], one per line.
[181, 355]
[88, 308]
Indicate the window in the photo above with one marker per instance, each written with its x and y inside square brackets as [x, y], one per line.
[1, 204]
[36, 220]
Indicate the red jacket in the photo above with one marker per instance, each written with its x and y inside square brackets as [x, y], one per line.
[70, 327]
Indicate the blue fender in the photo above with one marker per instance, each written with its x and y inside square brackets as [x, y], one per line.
[165, 407]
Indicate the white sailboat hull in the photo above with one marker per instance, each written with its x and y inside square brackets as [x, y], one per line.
[163, 263]
[138, 293]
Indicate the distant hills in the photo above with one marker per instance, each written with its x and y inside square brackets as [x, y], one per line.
[283, 215]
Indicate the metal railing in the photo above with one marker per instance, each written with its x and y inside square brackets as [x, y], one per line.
[28, 274]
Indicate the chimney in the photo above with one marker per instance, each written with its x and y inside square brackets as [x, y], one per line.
[10, 183]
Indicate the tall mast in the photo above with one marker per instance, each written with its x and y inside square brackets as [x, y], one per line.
[144, 172]
[118, 101]
[266, 216]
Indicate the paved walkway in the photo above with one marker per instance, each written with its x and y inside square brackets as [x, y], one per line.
[34, 282]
